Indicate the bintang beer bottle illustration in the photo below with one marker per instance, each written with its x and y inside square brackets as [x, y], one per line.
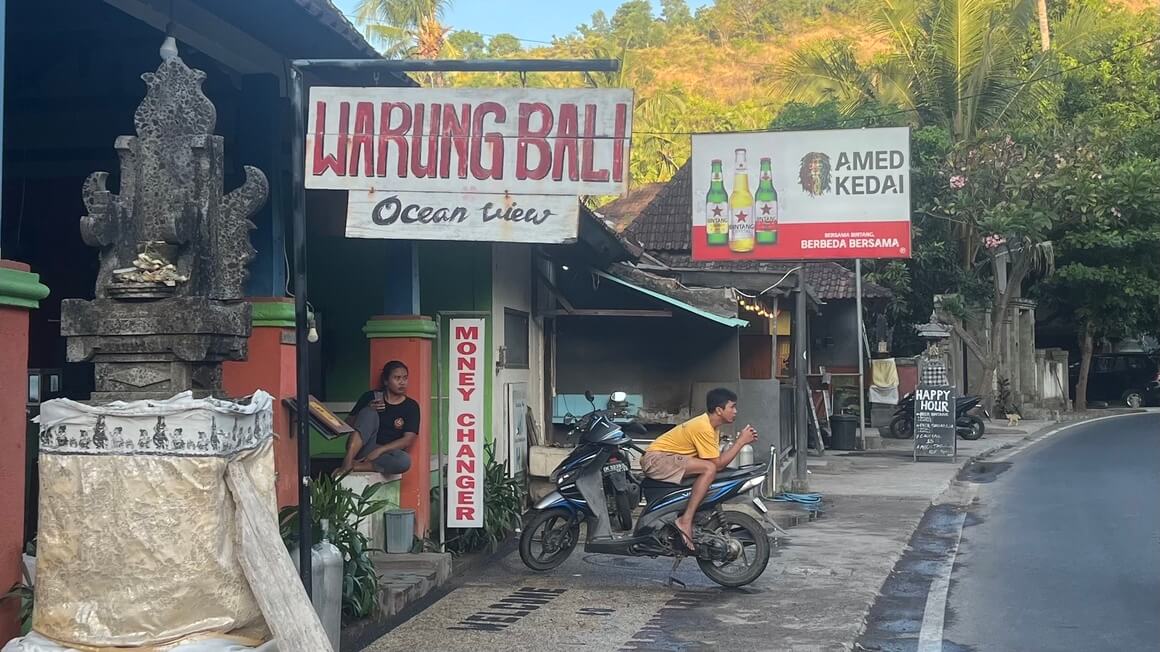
[765, 206]
[717, 208]
[741, 208]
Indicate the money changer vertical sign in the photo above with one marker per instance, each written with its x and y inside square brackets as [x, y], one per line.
[466, 383]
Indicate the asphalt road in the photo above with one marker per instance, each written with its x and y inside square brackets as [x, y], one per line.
[1059, 551]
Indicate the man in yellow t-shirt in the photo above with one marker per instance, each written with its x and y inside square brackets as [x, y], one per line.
[693, 449]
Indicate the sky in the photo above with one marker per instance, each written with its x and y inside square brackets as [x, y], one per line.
[525, 19]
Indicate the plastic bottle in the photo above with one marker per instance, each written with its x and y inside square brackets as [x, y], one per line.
[326, 585]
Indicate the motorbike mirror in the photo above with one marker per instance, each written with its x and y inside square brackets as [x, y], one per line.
[588, 395]
[639, 429]
[619, 397]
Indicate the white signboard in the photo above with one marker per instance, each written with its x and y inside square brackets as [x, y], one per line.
[467, 164]
[466, 464]
[517, 408]
[842, 193]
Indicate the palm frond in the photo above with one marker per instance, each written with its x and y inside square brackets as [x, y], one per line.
[826, 71]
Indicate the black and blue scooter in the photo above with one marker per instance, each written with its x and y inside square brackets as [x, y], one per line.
[732, 548]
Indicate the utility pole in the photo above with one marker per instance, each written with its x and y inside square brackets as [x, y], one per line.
[801, 386]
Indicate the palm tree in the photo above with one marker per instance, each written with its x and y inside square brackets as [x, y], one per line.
[957, 63]
[405, 28]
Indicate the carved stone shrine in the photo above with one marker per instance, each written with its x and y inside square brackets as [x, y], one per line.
[174, 251]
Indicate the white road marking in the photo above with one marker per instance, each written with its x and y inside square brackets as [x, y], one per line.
[930, 637]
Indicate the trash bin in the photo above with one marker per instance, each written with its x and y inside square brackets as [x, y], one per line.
[400, 526]
[845, 432]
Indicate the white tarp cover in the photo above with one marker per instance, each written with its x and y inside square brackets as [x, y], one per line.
[138, 544]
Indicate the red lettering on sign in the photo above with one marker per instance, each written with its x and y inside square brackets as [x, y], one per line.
[618, 142]
[333, 162]
[430, 133]
[396, 134]
[455, 132]
[465, 513]
[467, 379]
[364, 139]
[465, 434]
[588, 148]
[533, 138]
[465, 481]
[493, 140]
[466, 420]
[566, 144]
[466, 348]
[467, 332]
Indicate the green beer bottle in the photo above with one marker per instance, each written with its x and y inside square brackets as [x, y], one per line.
[717, 208]
[766, 209]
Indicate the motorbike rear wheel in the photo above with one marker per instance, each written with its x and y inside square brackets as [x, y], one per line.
[974, 425]
[754, 550]
[902, 427]
[624, 510]
[548, 538]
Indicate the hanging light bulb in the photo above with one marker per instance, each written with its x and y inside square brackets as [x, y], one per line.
[312, 332]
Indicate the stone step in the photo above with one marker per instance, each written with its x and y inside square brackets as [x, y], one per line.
[407, 578]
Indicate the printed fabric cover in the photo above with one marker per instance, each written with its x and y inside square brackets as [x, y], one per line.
[137, 545]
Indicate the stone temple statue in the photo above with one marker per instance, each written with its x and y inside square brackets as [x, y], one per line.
[174, 250]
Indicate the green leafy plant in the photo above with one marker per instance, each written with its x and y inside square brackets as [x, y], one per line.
[25, 595]
[503, 502]
[344, 510]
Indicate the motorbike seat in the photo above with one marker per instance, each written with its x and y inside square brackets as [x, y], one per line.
[727, 474]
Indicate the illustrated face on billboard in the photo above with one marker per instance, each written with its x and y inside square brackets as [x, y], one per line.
[815, 173]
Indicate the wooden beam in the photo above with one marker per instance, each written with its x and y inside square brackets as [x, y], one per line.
[581, 312]
[555, 291]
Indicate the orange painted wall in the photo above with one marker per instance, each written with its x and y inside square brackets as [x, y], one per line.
[271, 367]
[415, 352]
[13, 397]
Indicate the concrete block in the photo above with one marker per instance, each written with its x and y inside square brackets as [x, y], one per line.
[544, 459]
[373, 526]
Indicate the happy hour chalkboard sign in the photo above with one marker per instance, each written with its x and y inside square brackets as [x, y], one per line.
[934, 422]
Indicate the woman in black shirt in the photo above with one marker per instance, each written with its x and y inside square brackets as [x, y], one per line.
[386, 422]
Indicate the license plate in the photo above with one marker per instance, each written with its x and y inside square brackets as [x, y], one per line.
[614, 468]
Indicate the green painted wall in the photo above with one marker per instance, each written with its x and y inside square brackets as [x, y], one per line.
[456, 276]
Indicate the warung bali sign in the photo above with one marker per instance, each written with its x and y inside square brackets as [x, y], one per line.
[467, 376]
[842, 193]
[467, 164]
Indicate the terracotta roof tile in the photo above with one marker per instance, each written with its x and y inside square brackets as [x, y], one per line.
[621, 212]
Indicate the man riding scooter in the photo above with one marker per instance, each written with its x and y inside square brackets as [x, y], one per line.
[693, 449]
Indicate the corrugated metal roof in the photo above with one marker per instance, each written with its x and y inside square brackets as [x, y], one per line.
[732, 322]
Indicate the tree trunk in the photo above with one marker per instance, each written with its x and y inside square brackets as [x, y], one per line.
[1085, 365]
[1044, 32]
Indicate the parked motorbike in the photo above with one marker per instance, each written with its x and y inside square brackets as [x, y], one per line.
[621, 487]
[732, 548]
[968, 424]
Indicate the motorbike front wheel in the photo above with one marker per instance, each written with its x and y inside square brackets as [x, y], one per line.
[548, 538]
[754, 557]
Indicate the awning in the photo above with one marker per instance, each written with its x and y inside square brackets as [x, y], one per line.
[732, 322]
